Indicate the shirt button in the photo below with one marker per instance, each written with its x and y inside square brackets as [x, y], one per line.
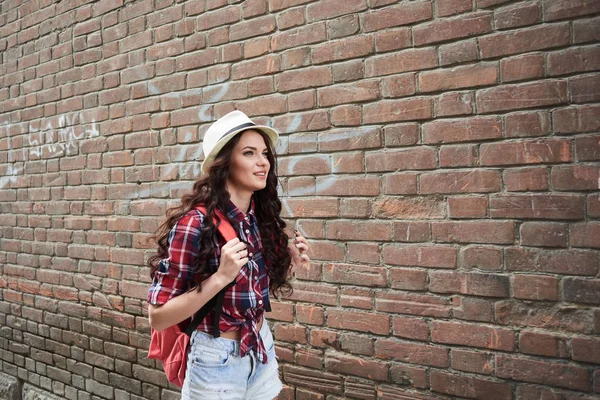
[247, 231]
[260, 302]
[256, 278]
[250, 255]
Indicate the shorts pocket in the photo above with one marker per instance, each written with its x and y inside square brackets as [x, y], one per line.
[208, 357]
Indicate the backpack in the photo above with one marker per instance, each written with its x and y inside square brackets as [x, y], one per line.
[170, 345]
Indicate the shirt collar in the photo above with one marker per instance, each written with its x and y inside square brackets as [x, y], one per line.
[237, 215]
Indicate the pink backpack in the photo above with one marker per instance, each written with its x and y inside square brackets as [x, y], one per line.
[170, 345]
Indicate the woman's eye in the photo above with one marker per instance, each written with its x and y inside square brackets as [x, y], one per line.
[248, 153]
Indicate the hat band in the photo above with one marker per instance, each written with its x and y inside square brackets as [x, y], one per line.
[247, 124]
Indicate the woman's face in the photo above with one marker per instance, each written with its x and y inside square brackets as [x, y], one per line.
[249, 165]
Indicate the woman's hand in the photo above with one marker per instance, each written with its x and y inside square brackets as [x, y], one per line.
[298, 249]
[233, 257]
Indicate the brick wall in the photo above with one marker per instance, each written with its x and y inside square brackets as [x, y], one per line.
[441, 155]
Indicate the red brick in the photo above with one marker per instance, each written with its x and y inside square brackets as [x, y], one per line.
[576, 59]
[315, 293]
[355, 274]
[593, 205]
[525, 40]
[576, 177]
[358, 321]
[579, 290]
[346, 230]
[403, 14]
[481, 181]
[405, 159]
[281, 311]
[324, 338]
[585, 234]
[459, 77]
[555, 9]
[412, 353]
[472, 24]
[522, 67]
[371, 369]
[458, 103]
[422, 256]
[301, 100]
[348, 71]
[353, 47]
[357, 298]
[405, 375]
[526, 152]
[409, 208]
[462, 130]
[586, 349]
[307, 314]
[347, 115]
[410, 328]
[497, 232]
[398, 85]
[526, 179]
[527, 124]
[265, 105]
[535, 287]
[308, 34]
[459, 52]
[393, 39]
[405, 231]
[541, 344]
[348, 93]
[349, 139]
[459, 156]
[348, 186]
[400, 183]
[290, 333]
[472, 335]
[515, 16]
[301, 122]
[471, 387]
[331, 8]
[450, 7]
[300, 79]
[402, 61]
[401, 135]
[570, 262]
[543, 372]
[470, 361]
[527, 95]
[290, 18]
[363, 252]
[543, 234]
[255, 27]
[576, 119]
[485, 258]
[585, 89]
[397, 110]
[312, 208]
[347, 25]
[408, 279]
[584, 30]
[468, 283]
[467, 207]
[257, 67]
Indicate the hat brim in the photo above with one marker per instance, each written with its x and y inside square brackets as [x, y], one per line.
[208, 160]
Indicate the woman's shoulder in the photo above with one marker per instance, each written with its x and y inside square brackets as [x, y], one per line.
[193, 217]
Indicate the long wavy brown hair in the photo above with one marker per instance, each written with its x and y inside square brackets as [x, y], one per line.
[211, 192]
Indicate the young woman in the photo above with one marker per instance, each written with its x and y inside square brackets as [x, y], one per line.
[194, 263]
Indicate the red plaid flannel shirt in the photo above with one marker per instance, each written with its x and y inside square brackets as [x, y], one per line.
[244, 303]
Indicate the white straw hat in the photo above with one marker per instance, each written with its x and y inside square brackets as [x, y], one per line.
[226, 127]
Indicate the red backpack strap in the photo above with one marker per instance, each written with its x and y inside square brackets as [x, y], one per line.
[224, 227]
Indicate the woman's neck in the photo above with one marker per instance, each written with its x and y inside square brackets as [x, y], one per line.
[241, 200]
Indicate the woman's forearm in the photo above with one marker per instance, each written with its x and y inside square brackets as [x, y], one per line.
[185, 305]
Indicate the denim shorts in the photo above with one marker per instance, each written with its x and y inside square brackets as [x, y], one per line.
[216, 371]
